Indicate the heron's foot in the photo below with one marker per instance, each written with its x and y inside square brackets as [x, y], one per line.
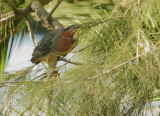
[52, 74]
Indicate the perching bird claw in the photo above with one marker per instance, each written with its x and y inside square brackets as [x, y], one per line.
[52, 74]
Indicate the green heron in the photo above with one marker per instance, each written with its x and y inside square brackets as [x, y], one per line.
[55, 44]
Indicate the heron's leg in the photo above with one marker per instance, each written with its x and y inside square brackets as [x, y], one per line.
[44, 65]
[53, 64]
[51, 61]
[48, 62]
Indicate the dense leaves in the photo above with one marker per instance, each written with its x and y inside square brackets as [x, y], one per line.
[120, 75]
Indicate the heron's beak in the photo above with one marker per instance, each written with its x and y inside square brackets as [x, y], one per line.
[78, 29]
[81, 27]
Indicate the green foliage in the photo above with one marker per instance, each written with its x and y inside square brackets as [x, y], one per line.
[11, 27]
[120, 75]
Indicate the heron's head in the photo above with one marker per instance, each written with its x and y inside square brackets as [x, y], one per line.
[74, 27]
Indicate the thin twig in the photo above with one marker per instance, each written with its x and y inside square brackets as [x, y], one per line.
[63, 83]
[19, 73]
[8, 34]
[68, 61]
[110, 70]
[8, 82]
[83, 48]
[30, 32]
[32, 37]
[5, 19]
[4, 105]
[7, 14]
[157, 81]
[75, 52]
[129, 8]
[40, 75]
[55, 7]
[95, 23]
[76, 63]
[7, 85]
[137, 52]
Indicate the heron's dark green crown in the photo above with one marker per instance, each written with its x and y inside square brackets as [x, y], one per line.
[73, 27]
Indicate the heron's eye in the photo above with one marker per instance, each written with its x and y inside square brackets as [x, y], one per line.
[75, 27]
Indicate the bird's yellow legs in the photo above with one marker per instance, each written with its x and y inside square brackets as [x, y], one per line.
[48, 62]
[51, 61]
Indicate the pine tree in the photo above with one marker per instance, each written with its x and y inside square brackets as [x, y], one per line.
[119, 71]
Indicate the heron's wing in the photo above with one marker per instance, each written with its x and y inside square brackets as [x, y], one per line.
[46, 44]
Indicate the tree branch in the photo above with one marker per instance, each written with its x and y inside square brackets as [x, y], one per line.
[52, 11]
[43, 14]
[44, 2]
[7, 102]
[157, 81]
[10, 82]
[110, 70]
[9, 17]
[30, 32]
[38, 9]
[16, 14]
[7, 14]
[68, 61]
[84, 48]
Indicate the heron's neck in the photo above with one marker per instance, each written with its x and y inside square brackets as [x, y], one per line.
[75, 36]
[71, 34]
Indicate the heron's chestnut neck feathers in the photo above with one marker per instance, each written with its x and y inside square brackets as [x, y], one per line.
[66, 41]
